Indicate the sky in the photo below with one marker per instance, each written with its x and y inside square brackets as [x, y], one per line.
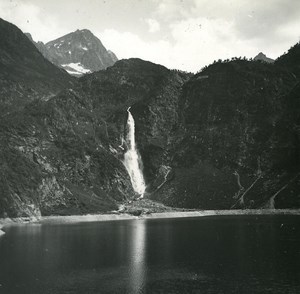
[180, 34]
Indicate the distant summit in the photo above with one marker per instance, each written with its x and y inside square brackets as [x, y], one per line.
[79, 52]
[263, 57]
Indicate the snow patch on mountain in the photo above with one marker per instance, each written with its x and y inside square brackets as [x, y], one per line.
[79, 52]
[75, 68]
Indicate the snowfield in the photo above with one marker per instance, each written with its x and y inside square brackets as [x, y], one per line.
[75, 68]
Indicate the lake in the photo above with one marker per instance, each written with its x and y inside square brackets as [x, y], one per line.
[216, 254]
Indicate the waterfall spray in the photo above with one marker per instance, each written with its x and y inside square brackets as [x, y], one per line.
[132, 159]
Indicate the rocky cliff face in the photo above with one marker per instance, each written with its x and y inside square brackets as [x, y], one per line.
[56, 159]
[238, 144]
[79, 52]
[153, 93]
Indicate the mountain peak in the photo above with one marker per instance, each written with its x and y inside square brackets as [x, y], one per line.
[28, 35]
[78, 52]
[261, 56]
[84, 31]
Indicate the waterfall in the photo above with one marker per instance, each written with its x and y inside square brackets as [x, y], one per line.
[132, 159]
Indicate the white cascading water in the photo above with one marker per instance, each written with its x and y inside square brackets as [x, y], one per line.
[132, 159]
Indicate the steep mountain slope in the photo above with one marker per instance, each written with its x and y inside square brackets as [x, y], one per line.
[237, 145]
[24, 73]
[231, 146]
[63, 156]
[56, 159]
[206, 145]
[78, 52]
[40, 46]
[291, 60]
[153, 93]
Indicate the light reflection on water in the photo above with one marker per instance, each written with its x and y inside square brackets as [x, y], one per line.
[137, 263]
[242, 255]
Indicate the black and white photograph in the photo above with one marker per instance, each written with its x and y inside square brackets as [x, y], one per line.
[149, 147]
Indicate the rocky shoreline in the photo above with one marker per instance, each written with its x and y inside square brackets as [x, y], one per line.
[125, 216]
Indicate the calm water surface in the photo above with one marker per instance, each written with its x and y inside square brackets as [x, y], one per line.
[223, 254]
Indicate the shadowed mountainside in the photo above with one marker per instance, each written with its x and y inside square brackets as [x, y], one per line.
[291, 60]
[55, 159]
[24, 73]
[63, 156]
[238, 141]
